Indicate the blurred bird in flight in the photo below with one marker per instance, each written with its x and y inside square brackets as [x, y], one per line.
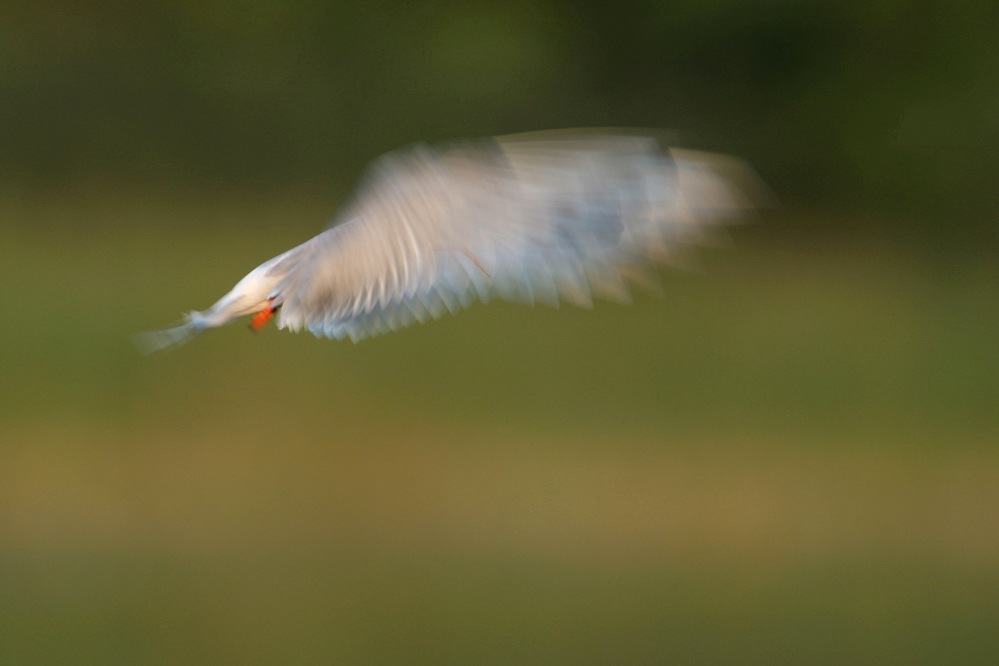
[541, 217]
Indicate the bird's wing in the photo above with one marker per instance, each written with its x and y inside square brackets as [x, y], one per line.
[535, 218]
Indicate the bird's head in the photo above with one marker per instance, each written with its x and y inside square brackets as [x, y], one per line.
[257, 294]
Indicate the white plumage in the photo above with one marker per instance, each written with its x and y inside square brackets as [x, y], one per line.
[543, 217]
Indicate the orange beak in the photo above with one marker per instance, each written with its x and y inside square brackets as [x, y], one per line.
[261, 318]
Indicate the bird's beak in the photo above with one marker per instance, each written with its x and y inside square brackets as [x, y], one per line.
[261, 318]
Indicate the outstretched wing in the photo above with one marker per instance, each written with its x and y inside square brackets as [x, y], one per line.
[534, 218]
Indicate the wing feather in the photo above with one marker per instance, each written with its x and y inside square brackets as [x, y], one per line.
[537, 218]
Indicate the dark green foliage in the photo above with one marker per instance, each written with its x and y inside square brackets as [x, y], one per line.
[856, 105]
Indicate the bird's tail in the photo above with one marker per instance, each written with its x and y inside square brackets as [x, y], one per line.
[154, 341]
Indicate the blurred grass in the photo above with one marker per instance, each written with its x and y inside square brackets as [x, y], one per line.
[790, 456]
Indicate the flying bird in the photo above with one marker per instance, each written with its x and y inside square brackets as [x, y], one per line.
[545, 217]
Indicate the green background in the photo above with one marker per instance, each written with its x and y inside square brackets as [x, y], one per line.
[790, 456]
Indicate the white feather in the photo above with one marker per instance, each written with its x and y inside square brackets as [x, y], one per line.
[532, 218]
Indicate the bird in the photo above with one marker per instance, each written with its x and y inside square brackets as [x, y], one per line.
[542, 217]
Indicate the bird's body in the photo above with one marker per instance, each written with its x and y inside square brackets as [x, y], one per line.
[548, 217]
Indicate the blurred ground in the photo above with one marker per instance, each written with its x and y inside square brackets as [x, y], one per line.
[789, 456]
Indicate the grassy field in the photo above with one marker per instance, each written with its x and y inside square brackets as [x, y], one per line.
[791, 456]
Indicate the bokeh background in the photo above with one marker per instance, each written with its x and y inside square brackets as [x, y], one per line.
[791, 456]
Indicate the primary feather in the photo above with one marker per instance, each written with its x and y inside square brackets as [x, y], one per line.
[535, 218]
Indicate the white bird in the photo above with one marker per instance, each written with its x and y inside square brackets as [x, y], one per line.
[541, 217]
